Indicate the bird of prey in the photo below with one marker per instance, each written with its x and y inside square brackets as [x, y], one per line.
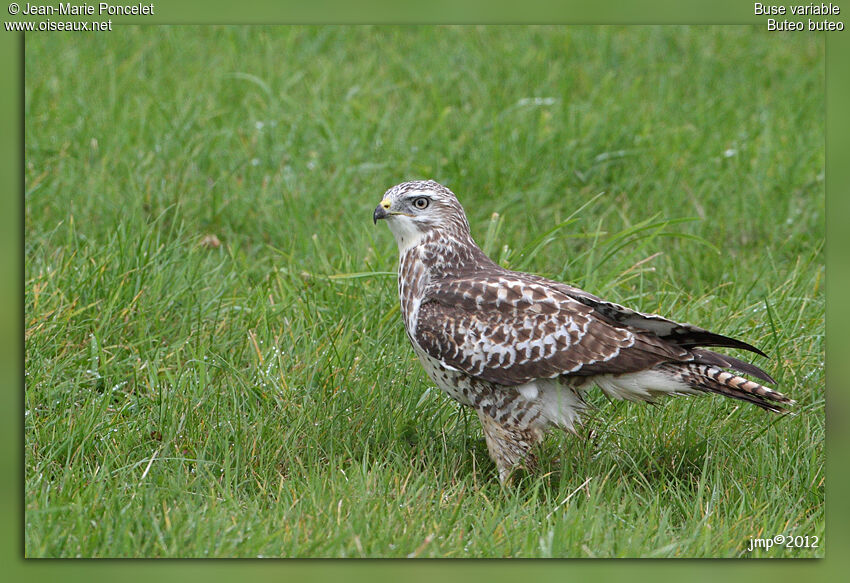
[521, 349]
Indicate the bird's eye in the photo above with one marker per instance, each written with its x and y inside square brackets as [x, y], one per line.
[421, 202]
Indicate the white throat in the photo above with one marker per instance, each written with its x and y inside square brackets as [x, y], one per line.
[406, 233]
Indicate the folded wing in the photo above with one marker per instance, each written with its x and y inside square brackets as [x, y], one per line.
[509, 330]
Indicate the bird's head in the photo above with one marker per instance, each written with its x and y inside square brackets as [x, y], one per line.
[415, 208]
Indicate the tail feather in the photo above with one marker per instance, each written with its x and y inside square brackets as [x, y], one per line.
[725, 361]
[710, 378]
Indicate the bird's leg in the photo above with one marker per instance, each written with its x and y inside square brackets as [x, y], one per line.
[509, 446]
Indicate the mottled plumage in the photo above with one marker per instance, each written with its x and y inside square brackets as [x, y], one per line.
[520, 349]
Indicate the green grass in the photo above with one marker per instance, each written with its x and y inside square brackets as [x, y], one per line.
[261, 398]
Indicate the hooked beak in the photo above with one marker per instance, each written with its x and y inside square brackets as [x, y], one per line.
[381, 211]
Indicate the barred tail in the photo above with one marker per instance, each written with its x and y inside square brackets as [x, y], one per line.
[715, 380]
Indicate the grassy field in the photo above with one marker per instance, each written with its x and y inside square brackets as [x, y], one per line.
[215, 363]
